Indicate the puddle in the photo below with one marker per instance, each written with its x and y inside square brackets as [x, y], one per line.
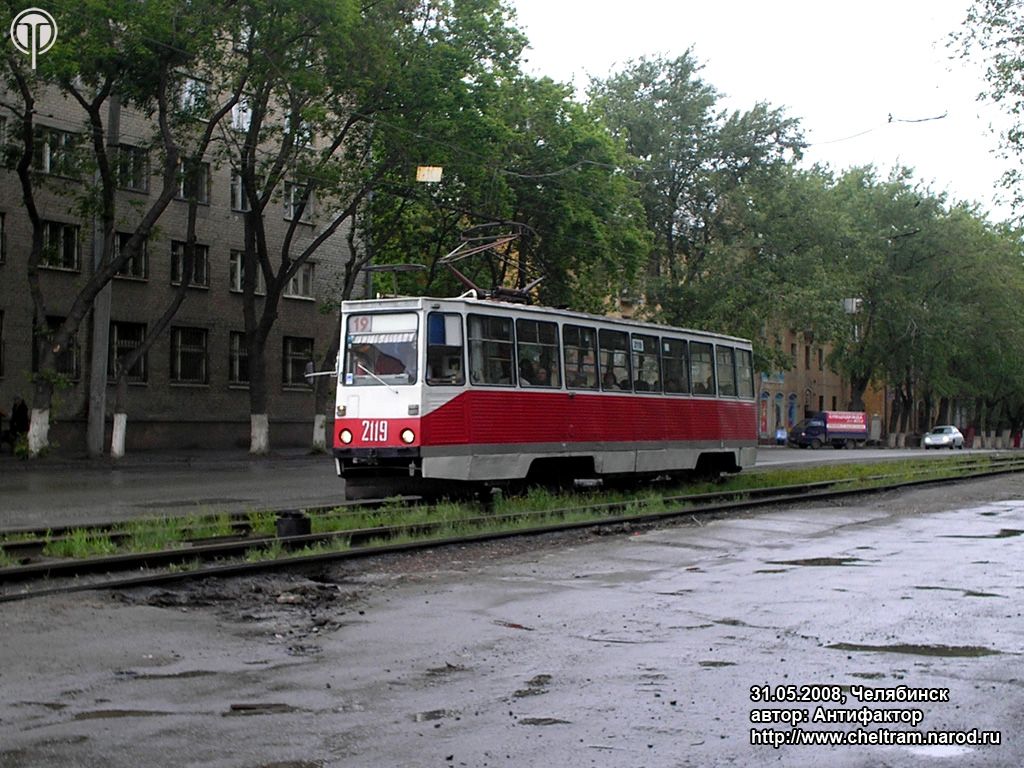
[717, 663]
[948, 651]
[188, 674]
[447, 669]
[270, 708]
[543, 721]
[963, 592]
[819, 561]
[1003, 533]
[433, 714]
[109, 714]
[512, 625]
[535, 686]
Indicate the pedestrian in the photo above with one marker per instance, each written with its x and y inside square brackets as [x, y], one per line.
[18, 424]
[780, 435]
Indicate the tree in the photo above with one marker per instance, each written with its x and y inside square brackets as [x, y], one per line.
[701, 170]
[324, 128]
[528, 159]
[111, 52]
[993, 33]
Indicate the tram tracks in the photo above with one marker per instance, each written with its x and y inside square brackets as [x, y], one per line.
[351, 533]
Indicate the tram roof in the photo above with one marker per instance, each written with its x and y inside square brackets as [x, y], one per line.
[427, 302]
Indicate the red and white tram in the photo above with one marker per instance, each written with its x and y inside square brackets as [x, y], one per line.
[437, 393]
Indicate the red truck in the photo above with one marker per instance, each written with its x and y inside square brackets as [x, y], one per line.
[836, 428]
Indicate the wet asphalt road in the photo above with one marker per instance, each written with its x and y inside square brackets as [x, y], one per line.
[636, 648]
[64, 493]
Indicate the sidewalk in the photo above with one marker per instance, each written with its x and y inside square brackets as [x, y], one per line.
[156, 459]
[70, 490]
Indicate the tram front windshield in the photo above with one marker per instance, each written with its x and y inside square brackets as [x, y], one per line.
[380, 350]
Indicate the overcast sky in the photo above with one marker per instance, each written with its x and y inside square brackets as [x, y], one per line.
[842, 68]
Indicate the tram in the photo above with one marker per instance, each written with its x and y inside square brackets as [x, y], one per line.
[437, 394]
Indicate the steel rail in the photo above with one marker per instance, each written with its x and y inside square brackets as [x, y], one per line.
[818, 491]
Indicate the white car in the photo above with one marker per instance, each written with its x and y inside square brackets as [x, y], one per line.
[943, 437]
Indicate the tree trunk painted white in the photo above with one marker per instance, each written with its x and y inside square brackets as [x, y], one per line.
[259, 436]
[118, 435]
[39, 432]
[320, 433]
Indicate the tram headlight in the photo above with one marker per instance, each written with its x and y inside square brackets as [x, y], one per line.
[346, 436]
[408, 436]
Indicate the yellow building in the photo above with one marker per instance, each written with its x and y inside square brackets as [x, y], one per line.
[809, 386]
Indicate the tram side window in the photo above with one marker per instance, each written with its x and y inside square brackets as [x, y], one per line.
[744, 373]
[702, 368]
[677, 368]
[614, 360]
[490, 350]
[444, 349]
[537, 347]
[579, 347]
[646, 363]
[726, 371]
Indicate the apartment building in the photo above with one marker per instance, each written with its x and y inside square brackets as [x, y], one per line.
[191, 390]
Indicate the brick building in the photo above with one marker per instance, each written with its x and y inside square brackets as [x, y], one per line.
[191, 390]
[808, 386]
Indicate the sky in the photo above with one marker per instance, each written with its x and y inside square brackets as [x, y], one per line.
[843, 68]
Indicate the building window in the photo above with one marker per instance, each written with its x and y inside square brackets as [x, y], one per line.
[67, 361]
[60, 246]
[194, 96]
[833, 402]
[301, 284]
[202, 183]
[303, 132]
[238, 359]
[188, 355]
[137, 267]
[807, 357]
[237, 274]
[200, 264]
[821, 359]
[124, 339]
[792, 353]
[56, 152]
[239, 200]
[241, 115]
[821, 402]
[293, 195]
[297, 352]
[3, 238]
[133, 168]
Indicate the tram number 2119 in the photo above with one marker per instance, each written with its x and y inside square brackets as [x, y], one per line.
[375, 431]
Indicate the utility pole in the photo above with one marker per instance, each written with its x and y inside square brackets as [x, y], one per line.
[96, 429]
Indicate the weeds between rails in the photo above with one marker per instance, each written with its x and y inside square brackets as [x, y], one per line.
[398, 518]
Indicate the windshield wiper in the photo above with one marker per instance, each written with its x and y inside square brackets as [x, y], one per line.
[376, 377]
